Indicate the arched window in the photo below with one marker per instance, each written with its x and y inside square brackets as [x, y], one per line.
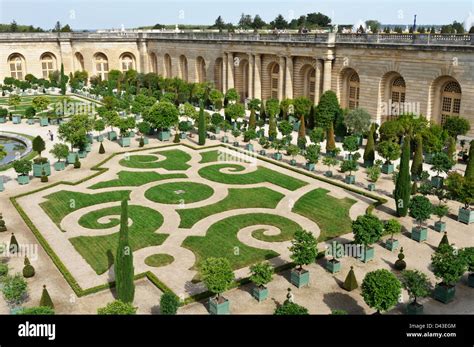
[79, 62]
[101, 66]
[218, 73]
[201, 69]
[310, 84]
[183, 68]
[450, 100]
[354, 91]
[167, 63]
[48, 64]
[153, 63]
[17, 66]
[127, 62]
[275, 77]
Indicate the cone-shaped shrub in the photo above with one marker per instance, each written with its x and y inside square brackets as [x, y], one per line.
[369, 153]
[444, 240]
[302, 130]
[470, 164]
[414, 188]
[263, 113]
[252, 120]
[2, 224]
[311, 117]
[330, 140]
[272, 127]
[124, 261]
[417, 164]
[451, 148]
[101, 148]
[14, 247]
[350, 282]
[202, 126]
[28, 269]
[403, 186]
[77, 163]
[45, 300]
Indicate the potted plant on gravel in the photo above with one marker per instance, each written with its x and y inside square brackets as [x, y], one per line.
[303, 252]
[449, 265]
[277, 145]
[440, 210]
[417, 285]
[183, 127]
[367, 230]
[312, 156]
[336, 250]
[236, 133]
[373, 174]
[389, 150]
[329, 161]
[391, 227]
[40, 163]
[420, 208]
[350, 166]
[144, 129]
[125, 125]
[292, 151]
[460, 188]
[249, 135]
[440, 162]
[217, 275]
[60, 151]
[261, 274]
[22, 168]
[99, 126]
[381, 290]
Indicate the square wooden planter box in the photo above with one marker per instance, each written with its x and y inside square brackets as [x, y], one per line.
[350, 179]
[146, 140]
[419, 234]
[124, 141]
[16, 119]
[310, 166]
[333, 266]
[444, 293]
[328, 174]
[367, 254]
[71, 158]
[293, 162]
[388, 168]
[38, 169]
[23, 179]
[249, 147]
[437, 181]
[30, 121]
[216, 308]
[100, 138]
[414, 308]
[260, 293]
[88, 147]
[90, 138]
[466, 216]
[59, 165]
[440, 226]
[391, 244]
[371, 187]
[277, 156]
[112, 135]
[44, 122]
[225, 139]
[164, 135]
[183, 136]
[82, 154]
[299, 278]
[217, 130]
[3, 119]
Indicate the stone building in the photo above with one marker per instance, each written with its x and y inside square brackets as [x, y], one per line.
[427, 74]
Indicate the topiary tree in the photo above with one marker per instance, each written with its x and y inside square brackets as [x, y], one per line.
[162, 115]
[350, 283]
[402, 191]
[369, 152]
[441, 162]
[169, 303]
[327, 109]
[217, 275]
[351, 144]
[331, 141]
[45, 300]
[22, 167]
[293, 151]
[317, 135]
[330, 161]
[252, 120]
[417, 164]
[460, 188]
[2, 224]
[388, 150]
[38, 145]
[416, 283]
[456, 126]
[60, 151]
[261, 274]
[202, 126]
[290, 309]
[302, 131]
[28, 269]
[304, 248]
[367, 229]
[381, 290]
[400, 263]
[101, 149]
[420, 209]
[357, 121]
[448, 264]
[124, 271]
[232, 95]
[272, 128]
[312, 154]
[117, 307]
[13, 246]
[216, 97]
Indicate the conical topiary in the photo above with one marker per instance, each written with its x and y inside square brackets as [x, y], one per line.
[14, 247]
[400, 264]
[302, 129]
[444, 240]
[2, 224]
[417, 163]
[331, 141]
[102, 149]
[28, 269]
[141, 142]
[414, 188]
[369, 152]
[350, 282]
[45, 300]
[252, 120]
[77, 163]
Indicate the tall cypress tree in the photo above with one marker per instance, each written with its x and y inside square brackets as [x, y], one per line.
[302, 129]
[403, 186]
[272, 127]
[417, 164]
[330, 141]
[252, 120]
[470, 164]
[263, 113]
[311, 118]
[124, 260]
[369, 153]
[202, 125]
[62, 80]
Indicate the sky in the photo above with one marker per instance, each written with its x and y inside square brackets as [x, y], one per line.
[105, 14]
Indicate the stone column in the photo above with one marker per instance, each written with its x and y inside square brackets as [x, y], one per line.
[251, 64]
[281, 78]
[258, 77]
[142, 63]
[289, 78]
[66, 58]
[224, 73]
[317, 81]
[230, 70]
[327, 74]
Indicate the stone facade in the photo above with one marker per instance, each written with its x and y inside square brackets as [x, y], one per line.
[436, 71]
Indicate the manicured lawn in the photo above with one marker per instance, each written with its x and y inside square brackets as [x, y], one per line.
[237, 198]
[331, 214]
[99, 251]
[61, 203]
[175, 160]
[135, 179]
[179, 192]
[262, 174]
[221, 239]
[157, 260]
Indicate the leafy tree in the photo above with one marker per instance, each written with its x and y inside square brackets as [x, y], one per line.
[327, 109]
[261, 274]
[169, 303]
[381, 289]
[217, 275]
[388, 150]
[351, 144]
[373, 173]
[391, 131]
[456, 126]
[369, 152]
[312, 154]
[279, 22]
[357, 121]
[285, 127]
[448, 264]
[403, 184]
[142, 102]
[30, 112]
[330, 161]
[219, 23]
[272, 107]
[441, 162]
[440, 211]
[14, 289]
[304, 248]
[22, 166]
[258, 22]
[75, 131]
[162, 115]
[420, 208]
[416, 283]
[367, 229]
[317, 135]
[14, 100]
[451, 148]
[232, 95]
[290, 309]
[38, 145]
[99, 125]
[117, 307]
[63, 80]
[252, 120]
[59, 151]
[292, 150]
[124, 272]
[469, 174]
[460, 188]
[45, 300]
[417, 164]
[349, 166]
[216, 97]
[302, 106]
[202, 126]
[468, 255]
[272, 127]
[433, 138]
[125, 125]
[235, 111]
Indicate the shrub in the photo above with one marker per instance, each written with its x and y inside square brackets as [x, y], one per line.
[22, 166]
[77, 163]
[416, 283]
[28, 269]
[14, 246]
[304, 248]
[357, 121]
[169, 303]
[36, 311]
[350, 283]
[381, 289]
[400, 263]
[448, 265]
[60, 151]
[367, 229]
[456, 126]
[391, 227]
[388, 150]
[14, 289]
[261, 274]
[176, 139]
[38, 145]
[46, 299]
[373, 173]
[312, 154]
[44, 178]
[217, 275]
[290, 308]
[327, 109]
[420, 208]
[441, 162]
[117, 307]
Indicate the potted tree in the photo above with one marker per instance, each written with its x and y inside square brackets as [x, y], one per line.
[391, 227]
[312, 156]
[162, 116]
[30, 115]
[440, 163]
[265, 145]
[292, 151]
[373, 174]
[460, 189]
[40, 163]
[144, 129]
[417, 285]
[388, 150]
[216, 121]
[3, 115]
[249, 135]
[285, 128]
[351, 145]
[448, 265]
[468, 254]
[350, 166]
[367, 230]
[329, 161]
[357, 122]
[125, 125]
[217, 275]
[227, 127]
[278, 145]
[304, 250]
[60, 151]
[236, 133]
[111, 118]
[440, 210]
[261, 274]
[99, 126]
[420, 209]
[22, 168]
[337, 251]
[381, 290]
[183, 127]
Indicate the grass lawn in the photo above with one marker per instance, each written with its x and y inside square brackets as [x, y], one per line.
[99, 251]
[179, 192]
[331, 214]
[237, 198]
[175, 160]
[262, 174]
[61, 203]
[221, 239]
[157, 260]
[135, 179]
[217, 156]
